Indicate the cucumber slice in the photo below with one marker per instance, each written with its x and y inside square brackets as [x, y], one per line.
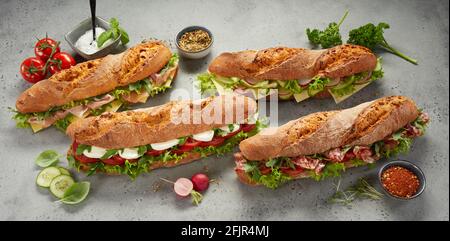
[60, 184]
[64, 171]
[46, 176]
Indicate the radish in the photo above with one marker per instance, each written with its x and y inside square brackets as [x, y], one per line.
[200, 181]
[183, 187]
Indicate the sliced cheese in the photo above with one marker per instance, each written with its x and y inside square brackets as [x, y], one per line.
[204, 136]
[114, 106]
[339, 99]
[226, 129]
[36, 127]
[164, 145]
[95, 152]
[302, 96]
[220, 88]
[129, 153]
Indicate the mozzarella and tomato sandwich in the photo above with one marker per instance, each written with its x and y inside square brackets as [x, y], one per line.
[96, 86]
[178, 132]
[295, 73]
[324, 144]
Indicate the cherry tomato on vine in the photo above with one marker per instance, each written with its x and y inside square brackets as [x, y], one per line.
[43, 48]
[32, 69]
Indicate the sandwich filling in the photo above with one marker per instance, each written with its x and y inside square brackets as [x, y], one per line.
[274, 172]
[340, 88]
[140, 159]
[137, 92]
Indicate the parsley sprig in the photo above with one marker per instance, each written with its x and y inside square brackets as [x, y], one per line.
[329, 37]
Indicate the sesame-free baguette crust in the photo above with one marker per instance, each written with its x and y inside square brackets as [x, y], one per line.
[319, 132]
[282, 63]
[95, 77]
[161, 123]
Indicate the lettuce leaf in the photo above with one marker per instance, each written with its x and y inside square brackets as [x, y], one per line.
[317, 85]
[205, 83]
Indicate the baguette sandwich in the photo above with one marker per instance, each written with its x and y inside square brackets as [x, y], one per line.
[96, 86]
[324, 144]
[138, 141]
[295, 73]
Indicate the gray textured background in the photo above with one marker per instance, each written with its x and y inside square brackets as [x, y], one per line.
[419, 28]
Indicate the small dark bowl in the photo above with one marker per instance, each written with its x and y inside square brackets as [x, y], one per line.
[194, 54]
[411, 167]
[72, 37]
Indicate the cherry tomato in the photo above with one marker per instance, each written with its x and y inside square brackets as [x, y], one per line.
[61, 60]
[154, 152]
[114, 160]
[217, 140]
[247, 127]
[43, 48]
[291, 172]
[31, 69]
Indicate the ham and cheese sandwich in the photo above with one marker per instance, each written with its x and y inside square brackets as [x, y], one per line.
[179, 132]
[296, 73]
[324, 144]
[96, 86]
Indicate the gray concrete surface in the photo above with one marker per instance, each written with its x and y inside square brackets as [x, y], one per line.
[420, 28]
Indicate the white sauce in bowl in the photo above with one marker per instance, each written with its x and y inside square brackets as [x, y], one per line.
[87, 44]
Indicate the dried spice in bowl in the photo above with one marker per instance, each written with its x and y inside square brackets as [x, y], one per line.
[194, 41]
[400, 182]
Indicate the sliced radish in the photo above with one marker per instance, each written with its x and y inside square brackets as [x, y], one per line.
[183, 187]
[200, 181]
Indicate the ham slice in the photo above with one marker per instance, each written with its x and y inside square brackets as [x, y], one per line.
[76, 111]
[306, 163]
[49, 120]
[364, 153]
[159, 79]
[335, 155]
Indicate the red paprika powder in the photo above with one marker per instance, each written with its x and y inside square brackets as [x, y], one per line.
[400, 181]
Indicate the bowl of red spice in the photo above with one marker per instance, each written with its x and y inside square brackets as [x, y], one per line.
[194, 42]
[402, 179]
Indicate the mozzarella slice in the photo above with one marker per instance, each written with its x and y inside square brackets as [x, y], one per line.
[204, 136]
[96, 152]
[129, 153]
[227, 130]
[164, 145]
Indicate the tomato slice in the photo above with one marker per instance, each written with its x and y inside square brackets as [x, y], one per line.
[155, 152]
[217, 140]
[265, 170]
[84, 159]
[114, 160]
[189, 145]
[291, 172]
[229, 135]
[247, 127]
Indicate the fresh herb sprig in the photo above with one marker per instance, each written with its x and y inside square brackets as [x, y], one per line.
[371, 36]
[113, 33]
[362, 189]
[329, 37]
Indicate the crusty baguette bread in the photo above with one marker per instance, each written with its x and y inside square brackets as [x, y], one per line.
[159, 124]
[319, 132]
[282, 63]
[188, 159]
[95, 77]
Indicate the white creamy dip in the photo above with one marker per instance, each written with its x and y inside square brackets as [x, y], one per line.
[87, 44]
